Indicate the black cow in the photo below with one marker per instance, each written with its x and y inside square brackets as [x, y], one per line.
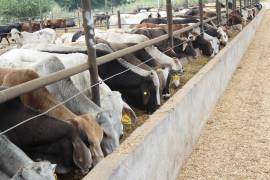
[203, 45]
[5, 31]
[154, 20]
[46, 138]
[164, 20]
[138, 91]
[180, 49]
[77, 35]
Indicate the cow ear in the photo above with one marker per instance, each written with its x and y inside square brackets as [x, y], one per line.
[20, 34]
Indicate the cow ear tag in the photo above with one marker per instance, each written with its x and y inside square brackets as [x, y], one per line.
[126, 120]
[176, 77]
[145, 93]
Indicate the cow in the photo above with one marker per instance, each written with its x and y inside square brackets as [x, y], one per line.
[15, 164]
[139, 89]
[204, 45]
[128, 19]
[70, 22]
[43, 36]
[30, 27]
[67, 142]
[5, 31]
[212, 40]
[182, 47]
[42, 100]
[64, 38]
[162, 72]
[109, 116]
[126, 38]
[73, 59]
[55, 23]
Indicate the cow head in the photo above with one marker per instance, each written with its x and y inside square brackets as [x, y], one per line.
[82, 156]
[94, 134]
[110, 139]
[204, 45]
[148, 94]
[16, 36]
[37, 170]
[187, 46]
[224, 37]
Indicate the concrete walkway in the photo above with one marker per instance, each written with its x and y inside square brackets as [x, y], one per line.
[235, 143]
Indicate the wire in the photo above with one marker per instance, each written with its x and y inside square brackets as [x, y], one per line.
[81, 92]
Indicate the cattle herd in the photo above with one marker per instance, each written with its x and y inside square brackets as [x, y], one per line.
[62, 137]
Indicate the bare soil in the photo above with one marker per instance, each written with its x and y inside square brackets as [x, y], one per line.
[235, 142]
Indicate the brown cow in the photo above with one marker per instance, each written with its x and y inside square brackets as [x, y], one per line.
[26, 26]
[42, 100]
[162, 26]
[55, 23]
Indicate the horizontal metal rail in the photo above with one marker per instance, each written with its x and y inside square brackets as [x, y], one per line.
[32, 85]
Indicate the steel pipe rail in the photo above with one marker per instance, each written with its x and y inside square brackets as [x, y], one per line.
[32, 85]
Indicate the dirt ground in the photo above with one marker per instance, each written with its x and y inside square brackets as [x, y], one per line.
[235, 143]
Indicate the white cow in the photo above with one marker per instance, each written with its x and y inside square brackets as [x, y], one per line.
[15, 164]
[128, 19]
[44, 36]
[64, 38]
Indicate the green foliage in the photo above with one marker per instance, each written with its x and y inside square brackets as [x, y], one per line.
[24, 8]
[74, 4]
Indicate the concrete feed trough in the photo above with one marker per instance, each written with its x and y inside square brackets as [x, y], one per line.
[158, 149]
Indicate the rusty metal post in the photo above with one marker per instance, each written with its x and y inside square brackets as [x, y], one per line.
[169, 21]
[227, 12]
[79, 19]
[119, 19]
[65, 23]
[30, 25]
[106, 14]
[88, 24]
[240, 1]
[186, 4]
[218, 11]
[234, 6]
[201, 16]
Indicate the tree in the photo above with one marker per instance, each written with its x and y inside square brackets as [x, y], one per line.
[24, 8]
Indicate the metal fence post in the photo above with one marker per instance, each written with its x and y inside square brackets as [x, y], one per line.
[218, 11]
[88, 24]
[169, 21]
[107, 20]
[186, 4]
[30, 25]
[240, 1]
[119, 19]
[234, 6]
[201, 16]
[79, 19]
[227, 12]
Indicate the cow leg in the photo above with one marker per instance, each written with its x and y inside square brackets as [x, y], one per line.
[1, 39]
[166, 90]
[7, 40]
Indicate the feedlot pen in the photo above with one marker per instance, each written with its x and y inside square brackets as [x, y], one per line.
[235, 143]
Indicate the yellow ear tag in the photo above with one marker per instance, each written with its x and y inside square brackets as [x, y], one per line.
[55, 176]
[126, 120]
[176, 77]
